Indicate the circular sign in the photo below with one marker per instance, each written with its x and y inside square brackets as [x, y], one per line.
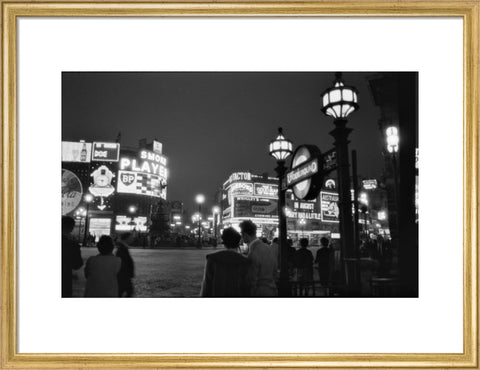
[309, 188]
[71, 191]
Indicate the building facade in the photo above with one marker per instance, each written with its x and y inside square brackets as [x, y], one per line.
[110, 188]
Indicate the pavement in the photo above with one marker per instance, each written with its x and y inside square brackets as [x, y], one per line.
[158, 272]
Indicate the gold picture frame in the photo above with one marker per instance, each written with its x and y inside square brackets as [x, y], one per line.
[467, 10]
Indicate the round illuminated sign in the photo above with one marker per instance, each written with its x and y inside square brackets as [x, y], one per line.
[72, 191]
[306, 163]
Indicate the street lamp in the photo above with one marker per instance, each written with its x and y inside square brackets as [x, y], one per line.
[200, 198]
[79, 215]
[340, 101]
[88, 198]
[302, 222]
[280, 149]
[392, 147]
[215, 211]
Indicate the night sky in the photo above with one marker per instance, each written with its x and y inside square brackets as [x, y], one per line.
[212, 124]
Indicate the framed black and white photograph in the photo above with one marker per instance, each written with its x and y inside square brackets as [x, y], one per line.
[224, 185]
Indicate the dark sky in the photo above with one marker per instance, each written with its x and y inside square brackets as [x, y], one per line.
[212, 124]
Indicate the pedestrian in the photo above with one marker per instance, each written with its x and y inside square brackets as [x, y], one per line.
[290, 257]
[263, 265]
[71, 255]
[127, 271]
[101, 270]
[323, 260]
[275, 251]
[304, 266]
[226, 271]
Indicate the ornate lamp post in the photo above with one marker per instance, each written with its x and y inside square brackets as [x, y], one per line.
[200, 198]
[392, 147]
[338, 102]
[281, 149]
[216, 212]
[88, 198]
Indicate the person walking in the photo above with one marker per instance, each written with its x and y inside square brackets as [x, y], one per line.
[322, 259]
[71, 255]
[304, 266]
[263, 264]
[127, 270]
[101, 270]
[226, 271]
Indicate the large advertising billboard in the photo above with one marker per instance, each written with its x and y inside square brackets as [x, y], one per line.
[255, 208]
[105, 152]
[126, 223]
[143, 175]
[72, 191]
[265, 190]
[329, 207]
[76, 151]
[140, 183]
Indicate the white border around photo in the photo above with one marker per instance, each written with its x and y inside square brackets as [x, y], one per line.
[431, 323]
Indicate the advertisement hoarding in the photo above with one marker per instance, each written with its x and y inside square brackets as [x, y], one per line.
[105, 152]
[329, 207]
[126, 223]
[265, 190]
[72, 191]
[76, 151]
[140, 183]
[255, 207]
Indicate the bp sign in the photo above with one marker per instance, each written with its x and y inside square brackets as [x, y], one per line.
[305, 176]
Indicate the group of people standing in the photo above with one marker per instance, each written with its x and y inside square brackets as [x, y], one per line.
[232, 274]
[107, 274]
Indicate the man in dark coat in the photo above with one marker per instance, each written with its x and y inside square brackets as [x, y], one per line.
[323, 260]
[226, 272]
[71, 255]
[126, 273]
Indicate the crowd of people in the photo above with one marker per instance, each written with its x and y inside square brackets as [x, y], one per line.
[230, 273]
[108, 274]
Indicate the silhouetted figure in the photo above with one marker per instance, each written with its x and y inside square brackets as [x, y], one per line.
[304, 261]
[290, 257]
[101, 270]
[127, 271]
[275, 248]
[71, 255]
[226, 271]
[263, 264]
[323, 260]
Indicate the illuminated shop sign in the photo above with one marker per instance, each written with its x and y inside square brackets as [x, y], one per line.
[102, 184]
[99, 226]
[369, 184]
[329, 207]
[106, 152]
[148, 162]
[304, 206]
[255, 207]
[72, 191]
[141, 183]
[76, 151]
[125, 223]
[265, 190]
[145, 175]
[239, 188]
[330, 184]
[240, 176]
